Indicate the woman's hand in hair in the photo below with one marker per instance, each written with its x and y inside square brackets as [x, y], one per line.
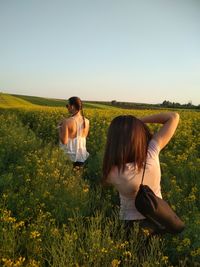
[170, 122]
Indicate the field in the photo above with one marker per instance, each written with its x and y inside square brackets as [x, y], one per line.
[53, 216]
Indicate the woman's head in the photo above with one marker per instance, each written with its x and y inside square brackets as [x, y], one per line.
[74, 103]
[127, 141]
[74, 106]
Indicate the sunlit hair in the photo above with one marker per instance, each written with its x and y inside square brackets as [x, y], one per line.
[127, 142]
[77, 103]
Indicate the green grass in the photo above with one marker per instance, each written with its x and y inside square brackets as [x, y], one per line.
[41, 101]
[9, 101]
[51, 102]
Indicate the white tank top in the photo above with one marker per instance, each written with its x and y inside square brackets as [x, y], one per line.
[76, 147]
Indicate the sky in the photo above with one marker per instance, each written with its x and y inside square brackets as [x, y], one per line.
[143, 51]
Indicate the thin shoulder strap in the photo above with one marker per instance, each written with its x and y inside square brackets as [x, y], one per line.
[143, 171]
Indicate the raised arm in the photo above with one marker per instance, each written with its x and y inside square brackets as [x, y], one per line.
[170, 122]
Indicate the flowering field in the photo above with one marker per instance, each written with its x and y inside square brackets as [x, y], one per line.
[51, 215]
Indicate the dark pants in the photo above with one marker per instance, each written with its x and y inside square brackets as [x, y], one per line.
[78, 165]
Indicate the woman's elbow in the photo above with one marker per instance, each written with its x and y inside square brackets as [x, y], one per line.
[176, 116]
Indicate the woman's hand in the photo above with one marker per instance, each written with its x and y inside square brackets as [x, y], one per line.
[60, 123]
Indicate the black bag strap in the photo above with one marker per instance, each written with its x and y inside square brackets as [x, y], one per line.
[143, 171]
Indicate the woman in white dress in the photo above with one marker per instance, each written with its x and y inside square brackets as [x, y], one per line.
[73, 132]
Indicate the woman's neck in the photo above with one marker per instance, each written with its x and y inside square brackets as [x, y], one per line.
[76, 113]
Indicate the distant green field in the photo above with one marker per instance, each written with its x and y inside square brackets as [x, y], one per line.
[50, 102]
[9, 101]
[41, 101]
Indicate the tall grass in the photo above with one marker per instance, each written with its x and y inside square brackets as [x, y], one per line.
[51, 215]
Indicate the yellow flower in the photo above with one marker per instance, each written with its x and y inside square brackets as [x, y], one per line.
[186, 242]
[34, 234]
[191, 197]
[115, 263]
[9, 263]
[85, 189]
[55, 232]
[127, 254]
[18, 225]
[103, 250]
[7, 217]
[165, 259]
[19, 262]
[146, 232]
[33, 263]
[195, 253]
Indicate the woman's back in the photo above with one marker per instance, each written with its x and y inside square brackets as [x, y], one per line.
[76, 127]
[77, 130]
[127, 182]
[129, 146]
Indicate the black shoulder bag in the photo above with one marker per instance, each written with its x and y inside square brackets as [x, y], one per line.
[157, 210]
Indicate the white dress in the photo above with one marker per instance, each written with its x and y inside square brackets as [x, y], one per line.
[75, 148]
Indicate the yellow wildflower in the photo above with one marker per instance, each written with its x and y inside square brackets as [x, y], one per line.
[127, 254]
[9, 263]
[85, 189]
[19, 262]
[195, 253]
[115, 263]
[186, 242]
[146, 232]
[103, 250]
[33, 263]
[18, 225]
[34, 234]
[55, 232]
[165, 259]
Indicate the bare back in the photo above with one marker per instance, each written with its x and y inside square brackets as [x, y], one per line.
[71, 125]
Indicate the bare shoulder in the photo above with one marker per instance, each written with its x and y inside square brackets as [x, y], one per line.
[68, 121]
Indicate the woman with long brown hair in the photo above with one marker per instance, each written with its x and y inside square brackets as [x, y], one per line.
[73, 132]
[129, 145]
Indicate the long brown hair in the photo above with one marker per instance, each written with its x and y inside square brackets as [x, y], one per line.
[77, 103]
[127, 141]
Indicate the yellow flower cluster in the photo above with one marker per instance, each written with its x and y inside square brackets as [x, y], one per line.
[195, 253]
[6, 216]
[13, 263]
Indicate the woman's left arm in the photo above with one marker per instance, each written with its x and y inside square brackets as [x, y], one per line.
[63, 133]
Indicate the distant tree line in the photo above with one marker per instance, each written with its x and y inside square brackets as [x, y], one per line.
[169, 104]
[165, 104]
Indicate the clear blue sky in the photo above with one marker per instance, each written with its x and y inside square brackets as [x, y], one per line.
[141, 51]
